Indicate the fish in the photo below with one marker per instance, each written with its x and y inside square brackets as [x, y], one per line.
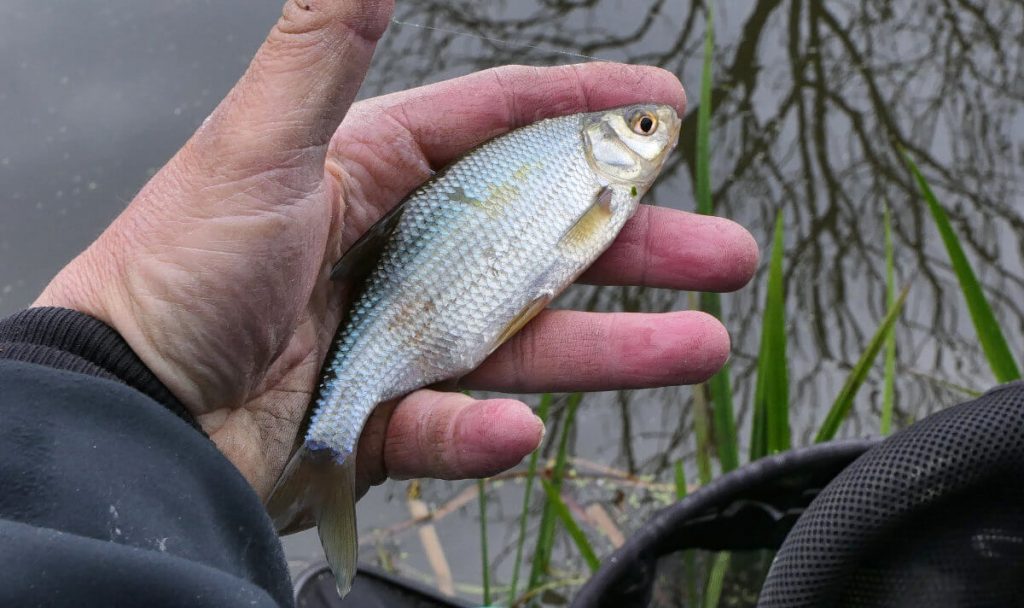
[461, 265]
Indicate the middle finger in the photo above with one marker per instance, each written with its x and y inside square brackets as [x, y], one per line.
[661, 247]
[565, 350]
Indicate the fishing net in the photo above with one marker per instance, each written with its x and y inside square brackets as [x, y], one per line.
[372, 588]
[932, 516]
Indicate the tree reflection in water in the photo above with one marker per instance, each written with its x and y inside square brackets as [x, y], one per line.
[811, 102]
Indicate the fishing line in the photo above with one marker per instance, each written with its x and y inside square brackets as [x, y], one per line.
[509, 43]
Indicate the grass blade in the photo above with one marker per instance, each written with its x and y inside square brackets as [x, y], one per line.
[844, 401]
[701, 423]
[702, 431]
[720, 389]
[680, 480]
[575, 533]
[546, 534]
[689, 560]
[770, 432]
[719, 386]
[724, 422]
[703, 177]
[716, 578]
[993, 342]
[946, 384]
[531, 472]
[482, 497]
[889, 381]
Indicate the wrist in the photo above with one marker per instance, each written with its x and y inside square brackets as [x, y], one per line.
[96, 283]
[69, 340]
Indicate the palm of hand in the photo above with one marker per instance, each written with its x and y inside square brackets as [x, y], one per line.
[217, 273]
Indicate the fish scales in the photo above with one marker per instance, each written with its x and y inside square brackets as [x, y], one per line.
[458, 266]
[467, 260]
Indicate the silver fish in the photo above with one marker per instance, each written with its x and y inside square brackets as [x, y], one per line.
[468, 259]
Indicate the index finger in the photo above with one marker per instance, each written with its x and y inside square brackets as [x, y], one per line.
[663, 247]
[451, 117]
[391, 144]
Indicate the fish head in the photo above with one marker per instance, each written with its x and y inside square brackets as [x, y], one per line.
[628, 145]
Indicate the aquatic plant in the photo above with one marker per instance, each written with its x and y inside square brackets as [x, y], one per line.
[990, 334]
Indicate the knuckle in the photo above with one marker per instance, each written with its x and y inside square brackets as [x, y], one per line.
[303, 16]
[367, 19]
[372, 458]
[437, 444]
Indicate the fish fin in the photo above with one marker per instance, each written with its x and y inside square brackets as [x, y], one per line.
[604, 199]
[315, 483]
[336, 524]
[521, 319]
[290, 499]
[589, 225]
[359, 259]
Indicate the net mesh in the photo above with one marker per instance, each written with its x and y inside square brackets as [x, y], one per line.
[934, 517]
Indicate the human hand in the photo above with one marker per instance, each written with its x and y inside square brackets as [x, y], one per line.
[217, 273]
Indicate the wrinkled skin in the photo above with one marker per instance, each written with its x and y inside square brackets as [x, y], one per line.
[217, 272]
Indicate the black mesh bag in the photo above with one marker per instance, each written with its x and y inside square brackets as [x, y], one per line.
[932, 516]
[751, 508]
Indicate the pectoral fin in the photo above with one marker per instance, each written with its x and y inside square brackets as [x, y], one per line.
[358, 261]
[520, 320]
[588, 228]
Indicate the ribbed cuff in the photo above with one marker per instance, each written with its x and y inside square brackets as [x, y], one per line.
[70, 340]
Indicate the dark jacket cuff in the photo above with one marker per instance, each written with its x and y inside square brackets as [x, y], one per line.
[71, 340]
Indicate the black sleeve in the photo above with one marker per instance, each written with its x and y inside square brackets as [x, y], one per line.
[109, 493]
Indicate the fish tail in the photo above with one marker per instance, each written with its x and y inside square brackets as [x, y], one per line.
[315, 484]
[336, 524]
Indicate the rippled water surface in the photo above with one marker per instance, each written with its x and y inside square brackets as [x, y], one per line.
[811, 101]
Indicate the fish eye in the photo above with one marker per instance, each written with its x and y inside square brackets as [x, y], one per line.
[644, 123]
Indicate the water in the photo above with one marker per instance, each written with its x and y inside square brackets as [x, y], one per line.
[811, 100]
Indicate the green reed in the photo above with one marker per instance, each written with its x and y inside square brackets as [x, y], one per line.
[990, 335]
[770, 430]
[844, 400]
[889, 379]
[716, 579]
[546, 534]
[560, 509]
[481, 487]
[702, 434]
[689, 560]
[720, 385]
[531, 472]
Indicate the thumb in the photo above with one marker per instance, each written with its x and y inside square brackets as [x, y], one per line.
[169, 274]
[280, 115]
